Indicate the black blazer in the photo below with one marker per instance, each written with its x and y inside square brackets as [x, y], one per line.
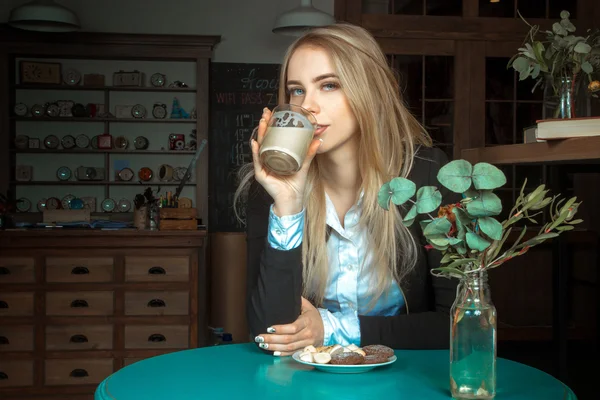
[274, 277]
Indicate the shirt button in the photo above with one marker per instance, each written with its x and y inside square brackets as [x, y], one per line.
[278, 231]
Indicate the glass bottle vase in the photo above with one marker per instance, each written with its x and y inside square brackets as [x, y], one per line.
[473, 340]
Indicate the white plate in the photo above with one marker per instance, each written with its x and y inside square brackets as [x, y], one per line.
[343, 369]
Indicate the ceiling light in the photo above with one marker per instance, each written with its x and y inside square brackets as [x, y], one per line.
[44, 16]
[298, 20]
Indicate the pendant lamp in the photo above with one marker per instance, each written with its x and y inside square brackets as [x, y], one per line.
[44, 16]
[299, 19]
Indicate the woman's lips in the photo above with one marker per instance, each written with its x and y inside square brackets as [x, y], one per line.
[320, 129]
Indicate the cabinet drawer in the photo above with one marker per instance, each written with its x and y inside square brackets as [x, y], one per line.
[16, 373]
[16, 270]
[79, 269]
[16, 304]
[77, 371]
[79, 303]
[84, 337]
[16, 338]
[133, 360]
[156, 303]
[156, 336]
[157, 269]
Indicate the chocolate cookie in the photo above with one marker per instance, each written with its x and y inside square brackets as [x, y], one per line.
[378, 349]
[347, 359]
[375, 359]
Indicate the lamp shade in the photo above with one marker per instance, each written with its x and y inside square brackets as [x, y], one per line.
[44, 16]
[299, 19]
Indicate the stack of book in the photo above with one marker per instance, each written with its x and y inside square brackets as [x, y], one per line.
[555, 129]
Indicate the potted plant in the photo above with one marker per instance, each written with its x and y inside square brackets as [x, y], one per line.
[146, 210]
[472, 242]
[564, 63]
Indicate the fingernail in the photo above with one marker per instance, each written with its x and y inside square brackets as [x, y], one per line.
[263, 345]
[271, 329]
[320, 140]
[276, 353]
[262, 120]
[265, 109]
[259, 339]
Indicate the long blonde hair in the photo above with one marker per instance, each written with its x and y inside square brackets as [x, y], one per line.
[387, 139]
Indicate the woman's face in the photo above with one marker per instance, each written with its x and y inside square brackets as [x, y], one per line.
[313, 84]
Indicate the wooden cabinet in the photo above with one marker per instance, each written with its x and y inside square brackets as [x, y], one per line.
[75, 306]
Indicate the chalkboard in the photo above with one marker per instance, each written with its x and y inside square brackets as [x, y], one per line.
[238, 94]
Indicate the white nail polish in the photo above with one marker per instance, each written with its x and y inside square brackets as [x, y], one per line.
[277, 353]
[264, 345]
[259, 339]
[271, 329]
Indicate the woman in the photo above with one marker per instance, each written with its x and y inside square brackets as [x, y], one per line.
[326, 264]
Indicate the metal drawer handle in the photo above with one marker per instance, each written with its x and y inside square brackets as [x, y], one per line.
[3, 376]
[4, 340]
[157, 271]
[156, 303]
[79, 373]
[79, 304]
[157, 337]
[78, 339]
[3, 304]
[80, 271]
[4, 271]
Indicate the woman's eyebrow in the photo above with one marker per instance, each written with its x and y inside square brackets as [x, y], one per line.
[315, 80]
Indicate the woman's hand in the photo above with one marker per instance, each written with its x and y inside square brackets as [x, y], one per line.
[286, 191]
[284, 340]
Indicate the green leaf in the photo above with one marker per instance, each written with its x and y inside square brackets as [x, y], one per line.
[411, 214]
[439, 226]
[539, 239]
[575, 221]
[564, 228]
[384, 196]
[582, 48]
[587, 67]
[476, 242]
[446, 258]
[429, 198]
[559, 29]
[487, 176]
[490, 227]
[568, 25]
[402, 189]
[486, 204]
[521, 64]
[456, 175]
[564, 14]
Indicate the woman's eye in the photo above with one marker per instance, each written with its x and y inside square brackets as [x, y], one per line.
[296, 92]
[330, 86]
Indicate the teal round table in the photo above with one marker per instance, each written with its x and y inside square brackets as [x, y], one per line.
[244, 372]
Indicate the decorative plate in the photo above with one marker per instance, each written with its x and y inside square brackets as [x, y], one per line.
[343, 369]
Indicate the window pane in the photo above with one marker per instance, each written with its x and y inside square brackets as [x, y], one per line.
[438, 121]
[508, 172]
[411, 7]
[524, 88]
[439, 77]
[444, 7]
[556, 6]
[532, 8]
[533, 173]
[527, 115]
[506, 197]
[502, 9]
[410, 72]
[499, 82]
[498, 123]
[376, 6]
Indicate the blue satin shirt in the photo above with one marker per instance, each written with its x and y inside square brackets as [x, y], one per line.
[347, 293]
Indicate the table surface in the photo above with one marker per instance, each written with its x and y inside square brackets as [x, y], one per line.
[243, 371]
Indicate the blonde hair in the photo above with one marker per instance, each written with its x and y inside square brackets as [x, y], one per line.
[388, 137]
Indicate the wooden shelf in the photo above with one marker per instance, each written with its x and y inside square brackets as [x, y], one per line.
[93, 151]
[75, 119]
[97, 183]
[563, 151]
[104, 88]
